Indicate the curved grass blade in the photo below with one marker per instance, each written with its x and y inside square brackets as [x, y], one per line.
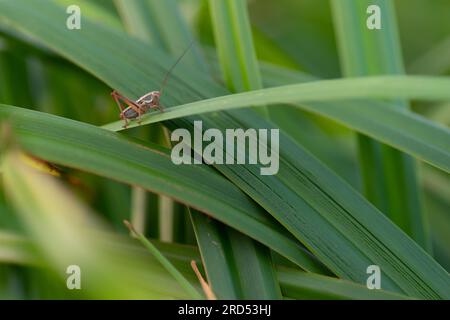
[66, 233]
[233, 38]
[305, 196]
[78, 145]
[245, 253]
[401, 129]
[407, 132]
[335, 90]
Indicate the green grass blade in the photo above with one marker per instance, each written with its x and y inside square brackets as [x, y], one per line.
[95, 150]
[94, 10]
[138, 20]
[433, 149]
[15, 249]
[234, 41]
[358, 89]
[175, 34]
[302, 197]
[235, 49]
[294, 283]
[301, 285]
[222, 277]
[165, 262]
[217, 256]
[364, 51]
[215, 251]
[404, 130]
[389, 176]
[256, 270]
[435, 61]
[14, 88]
[66, 233]
[237, 268]
[18, 249]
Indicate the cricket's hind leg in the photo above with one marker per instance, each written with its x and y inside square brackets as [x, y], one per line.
[130, 103]
[117, 96]
[159, 106]
[139, 117]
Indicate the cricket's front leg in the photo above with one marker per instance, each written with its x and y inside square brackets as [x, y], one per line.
[125, 120]
[139, 117]
[159, 107]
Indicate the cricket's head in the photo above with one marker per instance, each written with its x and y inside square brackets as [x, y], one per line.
[149, 99]
[156, 95]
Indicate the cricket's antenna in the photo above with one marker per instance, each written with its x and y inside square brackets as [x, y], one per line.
[166, 77]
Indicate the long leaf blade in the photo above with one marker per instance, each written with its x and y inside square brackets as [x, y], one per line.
[92, 149]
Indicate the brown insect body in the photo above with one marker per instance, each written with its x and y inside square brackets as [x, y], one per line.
[150, 100]
[146, 102]
[136, 108]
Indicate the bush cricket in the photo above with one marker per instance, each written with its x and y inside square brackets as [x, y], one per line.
[150, 100]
